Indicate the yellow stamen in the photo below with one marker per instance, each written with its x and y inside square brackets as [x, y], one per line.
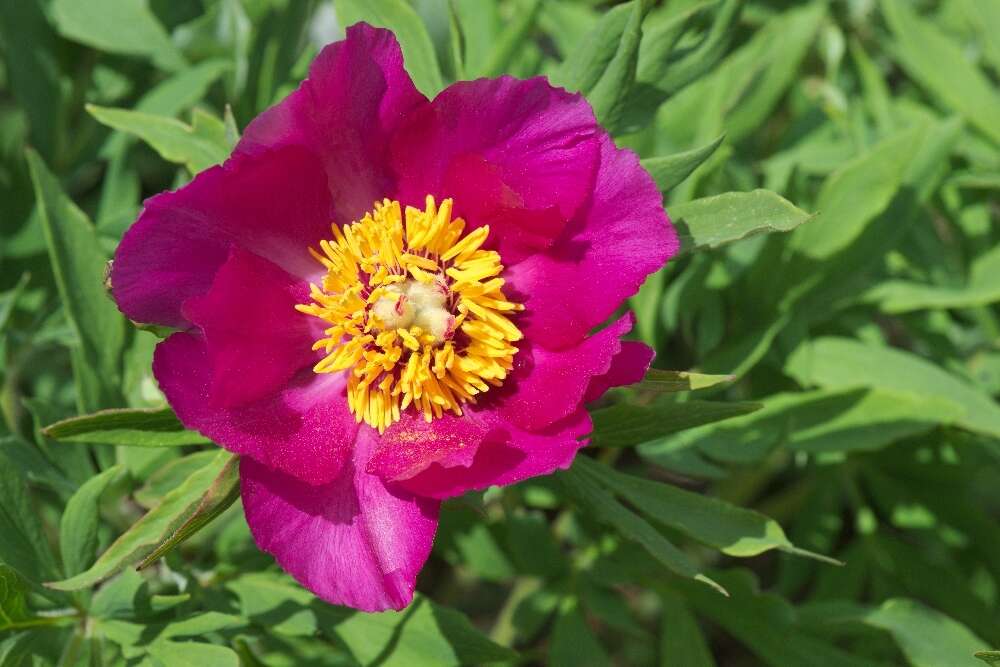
[416, 312]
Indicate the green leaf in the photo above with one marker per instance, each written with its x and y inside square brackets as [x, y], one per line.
[78, 262]
[983, 288]
[509, 42]
[193, 654]
[671, 381]
[767, 624]
[715, 221]
[672, 71]
[841, 362]
[670, 170]
[33, 74]
[603, 67]
[135, 427]
[78, 527]
[398, 16]
[989, 657]
[573, 641]
[24, 545]
[733, 530]
[927, 637]
[626, 425]
[839, 420]
[681, 639]
[223, 492]
[940, 65]
[423, 634]
[276, 602]
[152, 529]
[197, 146]
[117, 26]
[14, 612]
[600, 504]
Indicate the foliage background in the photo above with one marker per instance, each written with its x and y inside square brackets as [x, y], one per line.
[863, 337]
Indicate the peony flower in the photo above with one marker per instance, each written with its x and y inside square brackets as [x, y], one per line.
[384, 301]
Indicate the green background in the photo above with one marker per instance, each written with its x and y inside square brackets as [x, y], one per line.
[820, 490]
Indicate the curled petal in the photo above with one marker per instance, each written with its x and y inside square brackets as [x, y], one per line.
[351, 541]
[275, 206]
[356, 95]
[520, 156]
[602, 258]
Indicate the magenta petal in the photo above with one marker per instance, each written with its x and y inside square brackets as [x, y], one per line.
[352, 542]
[549, 385]
[508, 455]
[276, 206]
[603, 258]
[412, 444]
[356, 94]
[303, 429]
[627, 367]
[256, 339]
[520, 156]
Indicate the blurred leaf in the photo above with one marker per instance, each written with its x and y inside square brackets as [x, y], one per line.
[840, 362]
[670, 170]
[670, 381]
[939, 64]
[983, 288]
[509, 41]
[193, 654]
[681, 640]
[603, 67]
[78, 262]
[79, 524]
[600, 504]
[989, 657]
[33, 72]
[767, 625]
[14, 612]
[714, 221]
[399, 16]
[152, 529]
[422, 634]
[135, 427]
[24, 545]
[222, 493]
[117, 26]
[573, 642]
[626, 425]
[733, 530]
[927, 637]
[198, 146]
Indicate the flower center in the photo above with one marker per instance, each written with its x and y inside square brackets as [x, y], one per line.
[416, 312]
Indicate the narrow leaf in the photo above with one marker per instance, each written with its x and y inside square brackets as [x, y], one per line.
[670, 170]
[138, 427]
[715, 221]
[152, 529]
[78, 528]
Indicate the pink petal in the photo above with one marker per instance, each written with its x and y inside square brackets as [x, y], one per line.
[627, 367]
[603, 258]
[356, 95]
[304, 428]
[256, 339]
[352, 541]
[507, 455]
[517, 155]
[547, 385]
[276, 206]
[411, 444]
